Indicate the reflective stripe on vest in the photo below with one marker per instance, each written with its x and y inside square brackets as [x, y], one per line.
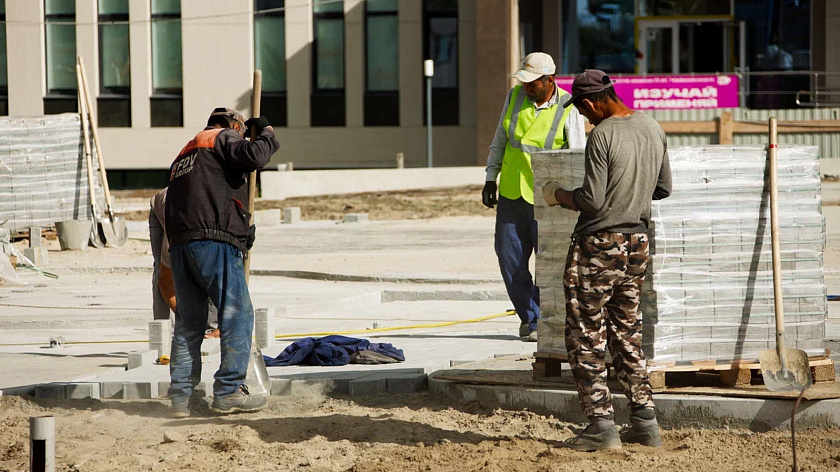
[528, 133]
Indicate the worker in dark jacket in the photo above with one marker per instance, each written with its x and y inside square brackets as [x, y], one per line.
[207, 223]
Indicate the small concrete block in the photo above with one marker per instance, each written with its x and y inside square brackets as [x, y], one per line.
[327, 386]
[111, 389]
[34, 236]
[140, 358]
[281, 386]
[268, 218]
[51, 390]
[453, 363]
[25, 390]
[291, 215]
[163, 389]
[264, 327]
[368, 385]
[407, 383]
[78, 391]
[37, 254]
[139, 390]
[355, 217]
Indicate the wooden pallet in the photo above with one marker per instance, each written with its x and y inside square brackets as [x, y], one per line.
[547, 368]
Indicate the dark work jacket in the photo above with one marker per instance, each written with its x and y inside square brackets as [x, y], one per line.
[208, 186]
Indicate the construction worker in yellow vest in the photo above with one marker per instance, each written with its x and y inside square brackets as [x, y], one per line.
[533, 119]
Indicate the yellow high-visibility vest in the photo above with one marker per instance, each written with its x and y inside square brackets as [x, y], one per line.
[528, 133]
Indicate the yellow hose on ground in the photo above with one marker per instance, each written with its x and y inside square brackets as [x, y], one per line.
[306, 335]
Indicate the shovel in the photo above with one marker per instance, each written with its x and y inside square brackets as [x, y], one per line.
[783, 368]
[95, 237]
[113, 230]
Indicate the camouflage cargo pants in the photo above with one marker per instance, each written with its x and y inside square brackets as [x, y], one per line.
[603, 278]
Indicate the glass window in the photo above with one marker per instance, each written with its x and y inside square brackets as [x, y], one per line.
[115, 64]
[4, 82]
[598, 35]
[270, 44]
[440, 43]
[678, 7]
[166, 46]
[326, 6]
[329, 53]
[167, 104]
[382, 31]
[61, 46]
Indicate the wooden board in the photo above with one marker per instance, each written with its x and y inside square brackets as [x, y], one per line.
[524, 378]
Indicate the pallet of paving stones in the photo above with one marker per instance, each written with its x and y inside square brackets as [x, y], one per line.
[711, 373]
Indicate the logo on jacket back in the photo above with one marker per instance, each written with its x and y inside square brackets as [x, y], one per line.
[182, 166]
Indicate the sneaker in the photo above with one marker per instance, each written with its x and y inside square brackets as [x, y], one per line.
[599, 435]
[240, 401]
[643, 430]
[524, 330]
[532, 337]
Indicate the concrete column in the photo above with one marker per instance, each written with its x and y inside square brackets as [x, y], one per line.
[26, 60]
[42, 444]
[551, 30]
[298, 61]
[87, 46]
[354, 61]
[217, 63]
[139, 32]
[493, 40]
[411, 69]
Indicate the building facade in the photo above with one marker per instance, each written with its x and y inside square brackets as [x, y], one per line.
[343, 80]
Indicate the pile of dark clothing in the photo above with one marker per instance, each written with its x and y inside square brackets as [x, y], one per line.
[334, 351]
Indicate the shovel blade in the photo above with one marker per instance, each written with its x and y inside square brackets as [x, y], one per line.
[96, 239]
[795, 375]
[116, 233]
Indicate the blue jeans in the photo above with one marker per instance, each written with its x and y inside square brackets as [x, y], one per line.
[209, 270]
[516, 239]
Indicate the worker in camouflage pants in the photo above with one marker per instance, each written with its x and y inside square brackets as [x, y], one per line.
[604, 274]
[626, 167]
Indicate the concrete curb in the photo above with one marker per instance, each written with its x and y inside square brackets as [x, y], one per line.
[671, 410]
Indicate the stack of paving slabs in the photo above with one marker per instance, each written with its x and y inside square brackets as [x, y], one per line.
[708, 294]
[555, 226]
[43, 175]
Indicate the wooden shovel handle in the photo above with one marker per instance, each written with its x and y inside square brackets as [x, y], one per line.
[256, 94]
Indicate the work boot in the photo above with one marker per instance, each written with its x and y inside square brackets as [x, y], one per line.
[643, 429]
[196, 405]
[532, 336]
[179, 410]
[524, 330]
[599, 435]
[240, 401]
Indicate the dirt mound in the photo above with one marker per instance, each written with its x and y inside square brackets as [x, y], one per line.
[385, 433]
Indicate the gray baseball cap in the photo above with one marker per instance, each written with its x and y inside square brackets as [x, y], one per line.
[588, 82]
[231, 115]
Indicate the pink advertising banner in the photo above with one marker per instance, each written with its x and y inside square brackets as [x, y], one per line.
[680, 92]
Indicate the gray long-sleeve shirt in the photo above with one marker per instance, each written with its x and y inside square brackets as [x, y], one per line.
[626, 167]
[574, 129]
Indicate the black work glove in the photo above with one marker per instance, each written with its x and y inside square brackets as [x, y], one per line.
[255, 124]
[488, 194]
[252, 235]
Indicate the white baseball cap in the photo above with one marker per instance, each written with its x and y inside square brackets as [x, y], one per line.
[534, 66]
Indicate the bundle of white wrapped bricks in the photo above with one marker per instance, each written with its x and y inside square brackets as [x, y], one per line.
[708, 294]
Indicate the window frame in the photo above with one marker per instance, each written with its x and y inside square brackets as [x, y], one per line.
[381, 107]
[273, 103]
[336, 113]
[443, 116]
[4, 89]
[164, 97]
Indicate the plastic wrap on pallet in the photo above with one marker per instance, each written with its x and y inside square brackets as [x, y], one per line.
[708, 294]
[43, 174]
